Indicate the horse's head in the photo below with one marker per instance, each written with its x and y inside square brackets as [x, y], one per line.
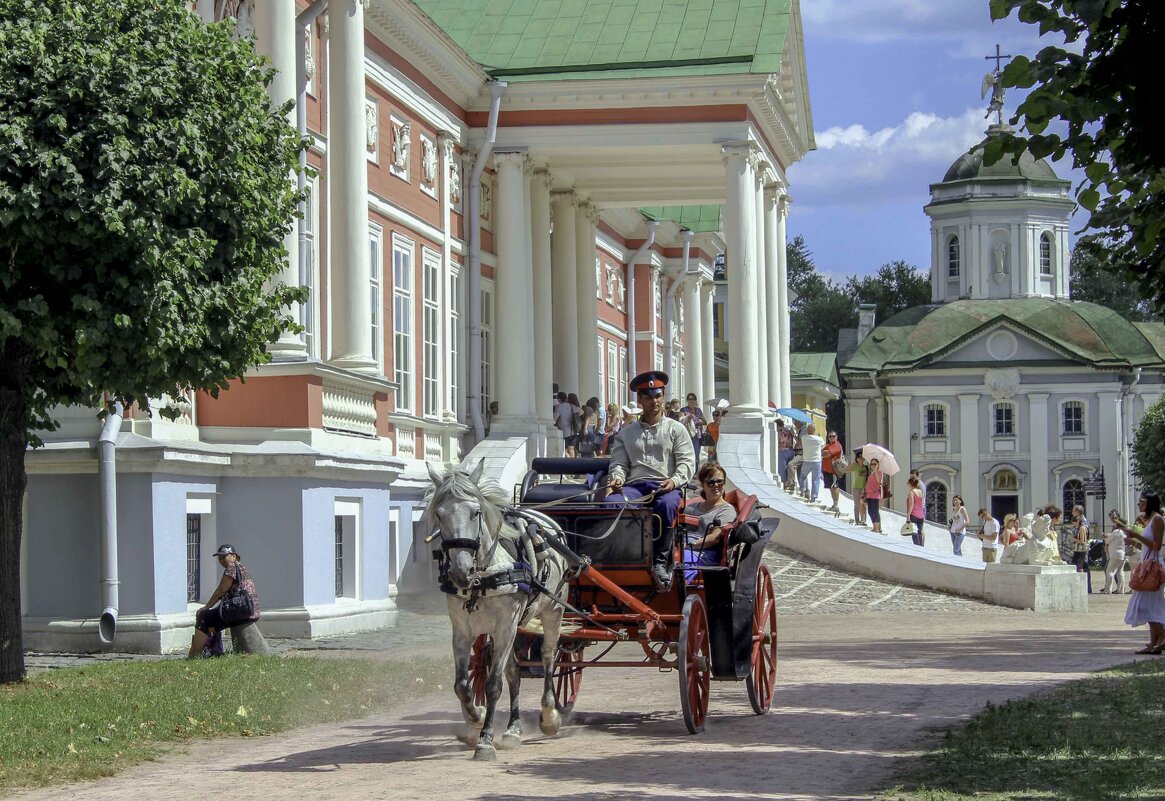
[465, 510]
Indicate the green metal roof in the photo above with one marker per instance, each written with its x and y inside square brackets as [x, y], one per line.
[814, 366]
[1155, 333]
[1082, 331]
[564, 39]
[701, 219]
[970, 166]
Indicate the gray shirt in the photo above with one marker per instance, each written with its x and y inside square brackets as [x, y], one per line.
[656, 452]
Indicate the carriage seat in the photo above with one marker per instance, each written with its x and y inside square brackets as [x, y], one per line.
[535, 491]
[735, 532]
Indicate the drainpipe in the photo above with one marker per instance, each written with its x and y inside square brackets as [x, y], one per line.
[635, 257]
[669, 345]
[303, 21]
[107, 482]
[496, 89]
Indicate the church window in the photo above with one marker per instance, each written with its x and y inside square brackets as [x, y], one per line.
[934, 417]
[953, 257]
[430, 328]
[1004, 414]
[1045, 254]
[936, 502]
[375, 289]
[1073, 495]
[402, 320]
[1073, 417]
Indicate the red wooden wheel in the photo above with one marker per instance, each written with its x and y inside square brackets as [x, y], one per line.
[695, 663]
[762, 674]
[479, 660]
[567, 677]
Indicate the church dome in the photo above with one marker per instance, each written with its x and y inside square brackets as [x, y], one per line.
[970, 166]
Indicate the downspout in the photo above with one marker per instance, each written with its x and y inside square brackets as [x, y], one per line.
[302, 22]
[635, 257]
[107, 488]
[669, 346]
[473, 187]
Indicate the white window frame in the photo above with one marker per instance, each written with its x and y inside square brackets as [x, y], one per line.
[954, 256]
[943, 422]
[487, 341]
[1047, 259]
[622, 391]
[600, 343]
[996, 408]
[376, 291]
[349, 547]
[403, 322]
[1074, 403]
[612, 372]
[453, 338]
[310, 311]
[431, 333]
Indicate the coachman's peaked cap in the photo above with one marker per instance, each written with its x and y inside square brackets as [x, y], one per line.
[652, 379]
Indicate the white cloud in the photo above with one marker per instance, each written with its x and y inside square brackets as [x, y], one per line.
[892, 20]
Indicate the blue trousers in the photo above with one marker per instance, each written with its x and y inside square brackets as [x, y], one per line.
[957, 541]
[665, 504]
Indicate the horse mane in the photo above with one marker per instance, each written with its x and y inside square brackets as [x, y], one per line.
[489, 495]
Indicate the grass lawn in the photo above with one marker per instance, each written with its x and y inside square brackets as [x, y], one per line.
[81, 723]
[1092, 740]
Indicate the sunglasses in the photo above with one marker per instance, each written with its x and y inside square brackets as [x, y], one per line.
[651, 393]
[714, 482]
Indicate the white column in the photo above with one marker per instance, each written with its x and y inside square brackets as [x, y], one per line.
[764, 326]
[563, 282]
[588, 321]
[1038, 445]
[786, 398]
[275, 38]
[708, 379]
[513, 320]
[899, 442]
[740, 235]
[693, 340]
[857, 423]
[350, 297]
[969, 478]
[543, 292]
[772, 300]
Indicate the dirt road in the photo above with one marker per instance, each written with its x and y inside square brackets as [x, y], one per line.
[857, 693]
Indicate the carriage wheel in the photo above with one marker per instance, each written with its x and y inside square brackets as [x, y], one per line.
[479, 661]
[695, 664]
[762, 674]
[567, 677]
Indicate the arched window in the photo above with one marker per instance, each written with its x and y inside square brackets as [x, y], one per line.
[936, 502]
[953, 257]
[1073, 495]
[1045, 254]
[1004, 419]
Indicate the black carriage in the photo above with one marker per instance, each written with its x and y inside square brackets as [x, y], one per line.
[716, 622]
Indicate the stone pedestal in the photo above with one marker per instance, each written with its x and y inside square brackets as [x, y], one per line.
[247, 639]
[1041, 588]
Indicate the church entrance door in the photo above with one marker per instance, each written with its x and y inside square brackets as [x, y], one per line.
[1002, 505]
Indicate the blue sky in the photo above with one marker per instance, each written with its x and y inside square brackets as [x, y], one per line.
[895, 92]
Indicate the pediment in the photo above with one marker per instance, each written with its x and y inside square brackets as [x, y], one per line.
[1001, 344]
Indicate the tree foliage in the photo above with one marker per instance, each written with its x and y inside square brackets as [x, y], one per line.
[1148, 451]
[144, 199]
[895, 287]
[1096, 281]
[1108, 95]
[819, 309]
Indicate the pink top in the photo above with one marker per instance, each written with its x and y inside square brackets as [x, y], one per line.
[917, 504]
[873, 486]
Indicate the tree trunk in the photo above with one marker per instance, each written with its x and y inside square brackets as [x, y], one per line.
[13, 444]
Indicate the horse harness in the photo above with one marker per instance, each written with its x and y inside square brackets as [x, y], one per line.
[521, 567]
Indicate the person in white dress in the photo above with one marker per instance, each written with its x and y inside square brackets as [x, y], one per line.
[1148, 607]
[1114, 551]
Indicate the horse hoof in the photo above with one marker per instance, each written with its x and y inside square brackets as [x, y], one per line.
[510, 740]
[550, 722]
[486, 753]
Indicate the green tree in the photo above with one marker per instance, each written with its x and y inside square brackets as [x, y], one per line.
[1095, 281]
[1104, 83]
[144, 199]
[895, 287]
[820, 308]
[1148, 451]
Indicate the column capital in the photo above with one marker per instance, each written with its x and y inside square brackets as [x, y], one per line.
[543, 175]
[517, 157]
[589, 211]
[560, 195]
[740, 150]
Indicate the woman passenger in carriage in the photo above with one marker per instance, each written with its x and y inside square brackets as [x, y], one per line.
[705, 544]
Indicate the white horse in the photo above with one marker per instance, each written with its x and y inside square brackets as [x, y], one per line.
[489, 592]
